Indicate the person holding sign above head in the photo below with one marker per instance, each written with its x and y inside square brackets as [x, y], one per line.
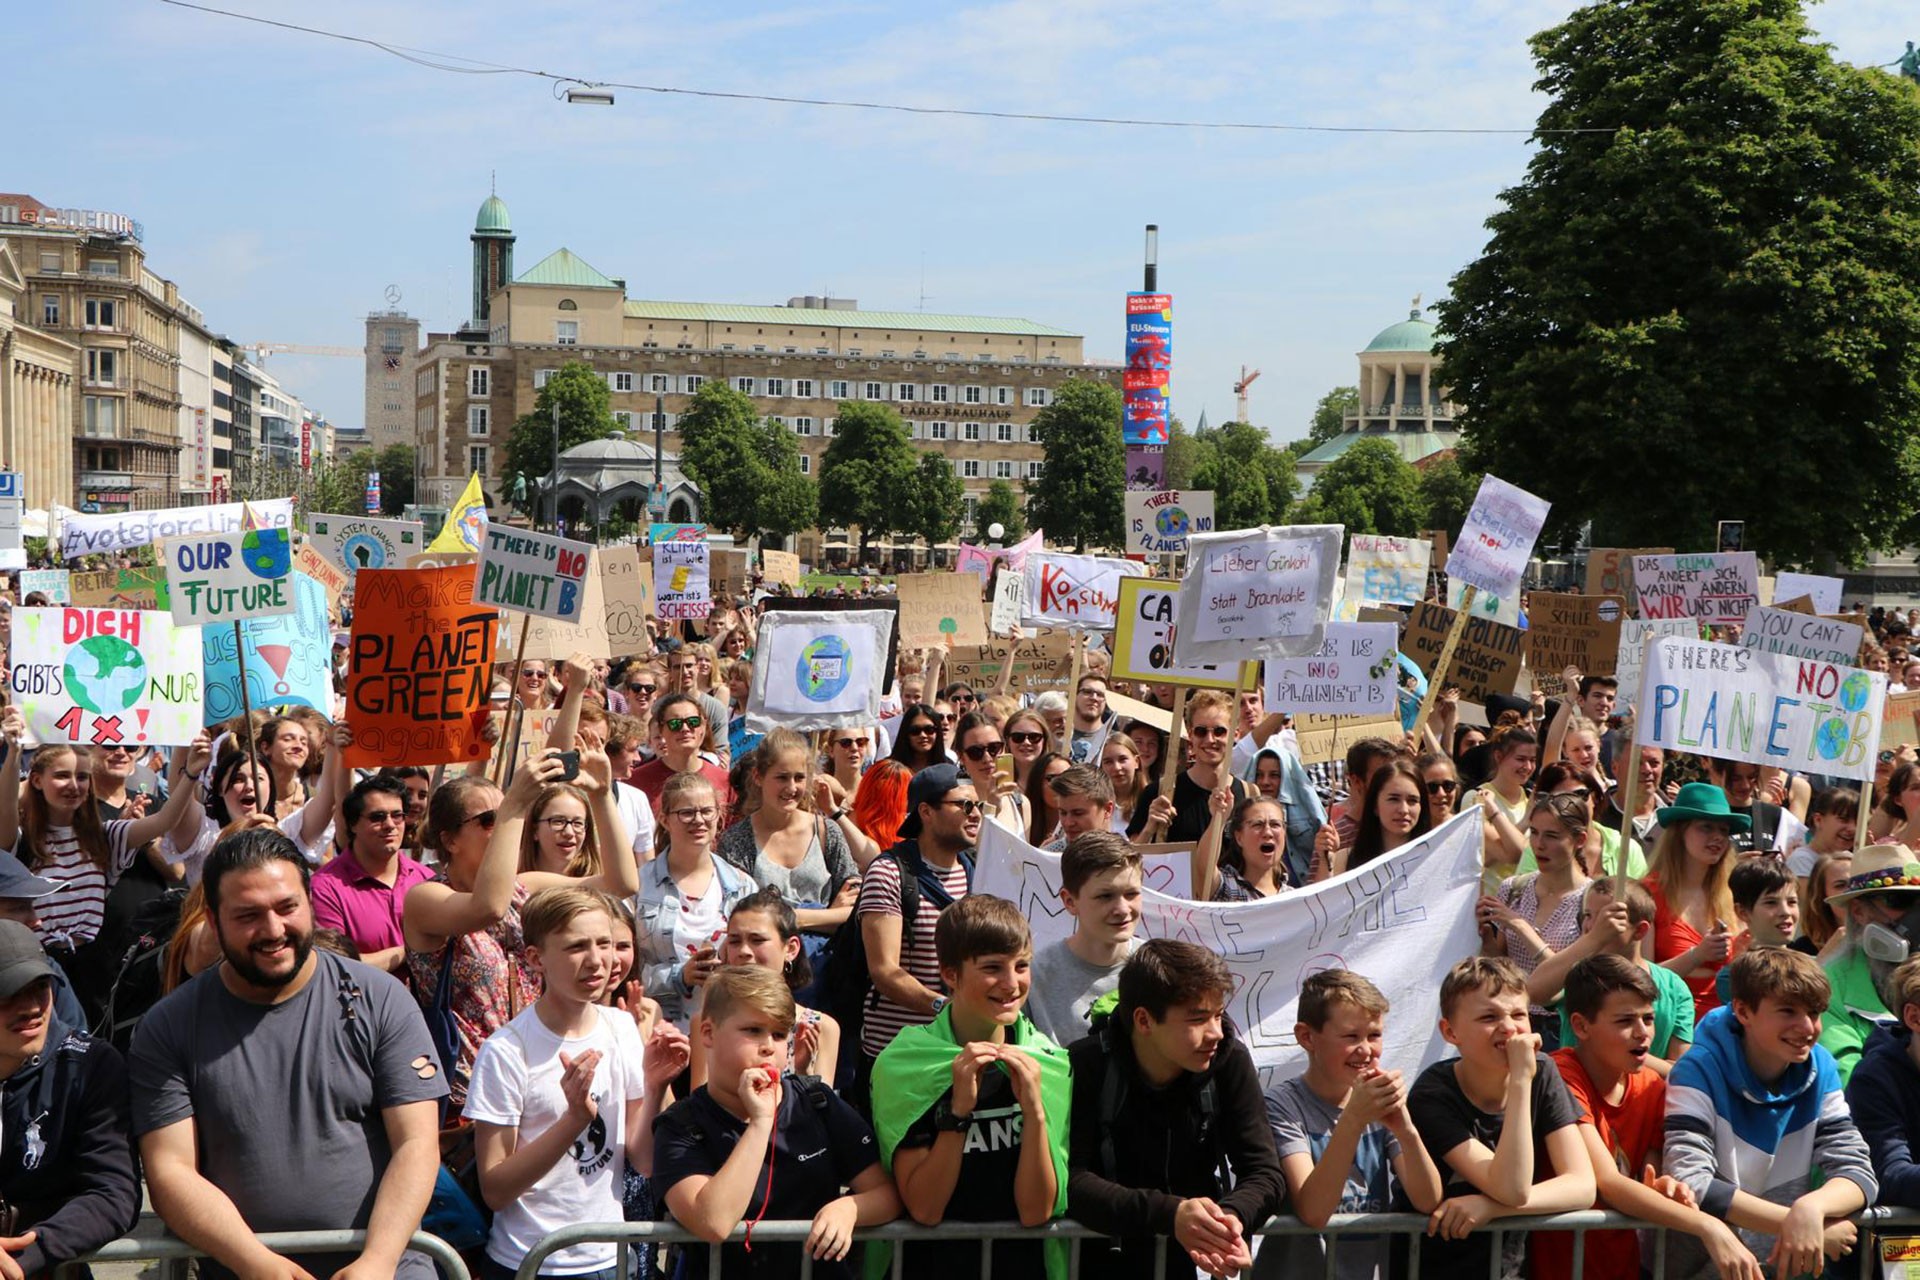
[1182, 818]
[1693, 908]
[238, 792]
[1242, 857]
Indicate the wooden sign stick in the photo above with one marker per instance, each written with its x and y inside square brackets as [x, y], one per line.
[1170, 761]
[516, 710]
[1439, 678]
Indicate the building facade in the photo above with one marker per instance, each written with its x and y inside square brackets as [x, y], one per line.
[393, 353]
[1403, 399]
[967, 386]
[38, 373]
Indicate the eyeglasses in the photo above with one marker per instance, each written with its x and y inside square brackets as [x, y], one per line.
[981, 750]
[968, 807]
[949, 718]
[1207, 731]
[846, 744]
[691, 816]
[962, 697]
[643, 688]
[385, 817]
[531, 674]
[486, 818]
[1442, 786]
[1026, 738]
[123, 751]
[676, 723]
[923, 728]
[557, 825]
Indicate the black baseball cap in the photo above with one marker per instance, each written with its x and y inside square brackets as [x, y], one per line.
[929, 786]
[22, 959]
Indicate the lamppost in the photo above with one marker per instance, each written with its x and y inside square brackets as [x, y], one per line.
[553, 481]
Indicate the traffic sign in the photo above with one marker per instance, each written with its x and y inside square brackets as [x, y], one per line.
[10, 484]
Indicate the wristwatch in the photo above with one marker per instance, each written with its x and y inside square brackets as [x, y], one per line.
[939, 1003]
[945, 1121]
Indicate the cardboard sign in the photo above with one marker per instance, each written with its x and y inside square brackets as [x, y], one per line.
[225, 577]
[1487, 659]
[95, 677]
[626, 584]
[1572, 631]
[1143, 640]
[1627, 667]
[1160, 523]
[556, 640]
[1799, 635]
[1610, 571]
[419, 669]
[353, 543]
[779, 568]
[1074, 593]
[1258, 592]
[1497, 539]
[1040, 663]
[1384, 570]
[330, 576]
[820, 670]
[1763, 708]
[55, 584]
[1438, 537]
[92, 535]
[730, 571]
[680, 580]
[1715, 588]
[1353, 673]
[1010, 600]
[289, 658]
[1900, 725]
[1325, 739]
[532, 572]
[120, 588]
[1824, 591]
[937, 608]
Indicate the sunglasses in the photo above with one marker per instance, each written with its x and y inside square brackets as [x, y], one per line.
[1445, 786]
[676, 723]
[968, 807]
[643, 688]
[923, 728]
[962, 697]
[387, 817]
[846, 743]
[531, 674]
[947, 719]
[486, 818]
[1207, 731]
[981, 750]
[1026, 737]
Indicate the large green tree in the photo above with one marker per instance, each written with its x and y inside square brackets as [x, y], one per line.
[1447, 489]
[395, 465]
[935, 501]
[1000, 506]
[1183, 456]
[1080, 494]
[748, 468]
[789, 500]
[1330, 415]
[1251, 479]
[583, 398]
[1705, 306]
[868, 465]
[1370, 489]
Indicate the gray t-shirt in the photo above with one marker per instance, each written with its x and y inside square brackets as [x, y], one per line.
[1303, 1125]
[1064, 988]
[286, 1099]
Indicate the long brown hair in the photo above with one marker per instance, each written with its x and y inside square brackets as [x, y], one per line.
[87, 827]
[777, 745]
[585, 862]
[1670, 855]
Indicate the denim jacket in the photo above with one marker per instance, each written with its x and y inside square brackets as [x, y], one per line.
[655, 908]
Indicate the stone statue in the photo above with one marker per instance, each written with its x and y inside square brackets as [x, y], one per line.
[1910, 63]
[519, 494]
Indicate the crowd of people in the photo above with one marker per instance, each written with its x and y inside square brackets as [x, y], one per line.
[676, 961]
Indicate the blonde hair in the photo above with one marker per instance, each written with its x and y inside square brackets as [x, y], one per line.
[1670, 857]
[551, 909]
[749, 988]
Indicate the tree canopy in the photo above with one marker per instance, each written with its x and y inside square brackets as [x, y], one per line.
[1000, 506]
[1080, 494]
[1330, 414]
[748, 469]
[1708, 309]
[1370, 489]
[868, 466]
[583, 398]
[1252, 480]
[934, 502]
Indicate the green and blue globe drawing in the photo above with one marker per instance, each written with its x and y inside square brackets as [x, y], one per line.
[1831, 739]
[267, 553]
[1171, 522]
[105, 674]
[1854, 690]
[825, 666]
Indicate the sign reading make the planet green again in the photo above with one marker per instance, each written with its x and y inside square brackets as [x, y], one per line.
[225, 577]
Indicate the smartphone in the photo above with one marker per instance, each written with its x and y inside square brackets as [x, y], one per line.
[1004, 764]
[569, 764]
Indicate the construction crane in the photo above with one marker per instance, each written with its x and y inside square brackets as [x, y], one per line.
[261, 350]
[1240, 392]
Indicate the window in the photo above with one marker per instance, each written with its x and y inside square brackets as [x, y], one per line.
[477, 460]
[694, 382]
[104, 267]
[540, 377]
[477, 420]
[1003, 395]
[568, 304]
[790, 351]
[831, 427]
[853, 351]
[726, 346]
[1003, 432]
[1036, 397]
[904, 391]
[1033, 470]
[936, 431]
[566, 333]
[803, 426]
[659, 383]
[969, 431]
[837, 390]
[657, 421]
[102, 366]
[50, 262]
[887, 355]
[973, 395]
[803, 388]
[823, 351]
[970, 468]
[942, 393]
[759, 346]
[875, 391]
[1003, 470]
[623, 420]
[50, 311]
[743, 385]
[621, 381]
[806, 465]
[776, 386]
[479, 380]
[100, 416]
[100, 313]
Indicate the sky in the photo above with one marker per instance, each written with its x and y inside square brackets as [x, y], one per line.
[287, 180]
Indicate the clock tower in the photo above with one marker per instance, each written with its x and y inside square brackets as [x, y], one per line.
[492, 259]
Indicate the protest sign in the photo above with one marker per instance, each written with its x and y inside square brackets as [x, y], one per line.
[1143, 639]
[1485, 604]
[120, 588]
[1159, 523]
[84, 535]
[1900, 724]
[1352, 674]
[680, 582]
[1040, 663]
[1764, 708]
[1800, 635]
[729, 568]
[1824, 591]
[779, 569]
[1397, 921]
[981, 560]
[1714, 588]
[331, 577]
[828, 604]
[1325, 739]
[1627, 667]
[419, 668]
[1610, 571]
[1572, 631]
[288, 658]
[1010, 600]
[1385, 570]
[1258, 592]
[627, 586]
[1497, 538]
[55, 584]
[556, 640]
[657, 533]
[820, 670]
[532, 572]
[354, 543]
[937, 608]
[225, 577]
[1486, 660]
[96, 677]
[1074, 593]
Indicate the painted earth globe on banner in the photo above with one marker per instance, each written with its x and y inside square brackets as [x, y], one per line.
[1171, 522]
[105, 674]
[824, 669]
[1831, 739]
[1854, 691]
[268, 553]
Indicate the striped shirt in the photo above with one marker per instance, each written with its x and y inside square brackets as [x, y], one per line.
[880, 896]
[73, 913]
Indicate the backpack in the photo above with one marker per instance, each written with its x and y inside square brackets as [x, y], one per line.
[846, 988]
[1113, 1095]
[137, 979]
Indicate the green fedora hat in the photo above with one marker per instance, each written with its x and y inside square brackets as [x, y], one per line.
[1703, 802]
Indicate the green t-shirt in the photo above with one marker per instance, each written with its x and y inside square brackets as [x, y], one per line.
[1672, 1012]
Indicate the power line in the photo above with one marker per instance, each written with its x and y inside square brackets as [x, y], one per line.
[446, 62]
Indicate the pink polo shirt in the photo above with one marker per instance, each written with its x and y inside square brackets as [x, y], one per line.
[347, 899]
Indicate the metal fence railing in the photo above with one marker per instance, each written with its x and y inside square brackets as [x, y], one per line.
[150, 1243]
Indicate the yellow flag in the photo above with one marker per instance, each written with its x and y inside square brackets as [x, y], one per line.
[466, 522]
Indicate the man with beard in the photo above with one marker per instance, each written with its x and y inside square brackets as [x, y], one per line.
[311, 1078]
[361, 892]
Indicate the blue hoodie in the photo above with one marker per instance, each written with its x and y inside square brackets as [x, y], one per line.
[1885, 1095]
[1727, 1132]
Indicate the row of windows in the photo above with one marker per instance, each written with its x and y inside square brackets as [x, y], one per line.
[479, 382]
[97, 313]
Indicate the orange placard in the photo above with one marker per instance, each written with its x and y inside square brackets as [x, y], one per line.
[418, 668]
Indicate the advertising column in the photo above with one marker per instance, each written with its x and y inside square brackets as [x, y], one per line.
[1146, 416]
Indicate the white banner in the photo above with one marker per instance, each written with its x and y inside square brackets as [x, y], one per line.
[819, 670]
[227, 577]
[1801, 635]
[1161, 523]
[1627, 667]
[357, 542]
[55, 584]
[98, 676]
[87, 535]
[1009, 601]
[1352, 674]
[1400, 921]
[1497, 539]
[1144, 638]
[1762, 708]
[1504, 609]
[533, 572]
[1258, 592]
[681, 585]
[1385, 570]
[1073, 593]
[1818, 587]
[1715, 588]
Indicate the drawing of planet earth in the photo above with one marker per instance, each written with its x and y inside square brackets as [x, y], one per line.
[1831, 739]
[1854, 690]
[267, 553]
[1171, 522]
[824, 669]
[105, 674]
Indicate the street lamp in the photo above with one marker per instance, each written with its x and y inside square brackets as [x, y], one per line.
[995, 532]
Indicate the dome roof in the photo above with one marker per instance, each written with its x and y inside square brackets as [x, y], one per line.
[1411, 334]
[493, 216]
[611, 449]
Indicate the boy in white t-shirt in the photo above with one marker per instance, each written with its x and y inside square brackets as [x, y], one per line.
[560, 1095]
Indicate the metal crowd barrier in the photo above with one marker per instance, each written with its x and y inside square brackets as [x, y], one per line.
[151, 1243]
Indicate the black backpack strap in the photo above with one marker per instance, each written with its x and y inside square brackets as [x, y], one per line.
[1112, 1094]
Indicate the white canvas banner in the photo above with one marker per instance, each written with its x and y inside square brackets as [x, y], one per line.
[1763, 708]
[361, 542]
[1627, 667]
[225, 577]
[1715, 588]
[1399, 921]
[1160, 523]
[1817, 587]
[82, 535]
[1352, 674]
[1074, 593]
[1497, 538]
[1258, 592]
[819, 670]
[1387, 570]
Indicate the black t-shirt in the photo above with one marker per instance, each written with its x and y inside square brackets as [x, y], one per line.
[989, 1162]
[1190, 814]
[1445, 1117]
[695, 1136]
[1763, 835]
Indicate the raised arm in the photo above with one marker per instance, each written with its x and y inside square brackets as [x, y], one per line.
[1205, 861]
[1562, 719]
[13, 726]
[619, 873]
[188, 762]
[576, 673]
[435, 912]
